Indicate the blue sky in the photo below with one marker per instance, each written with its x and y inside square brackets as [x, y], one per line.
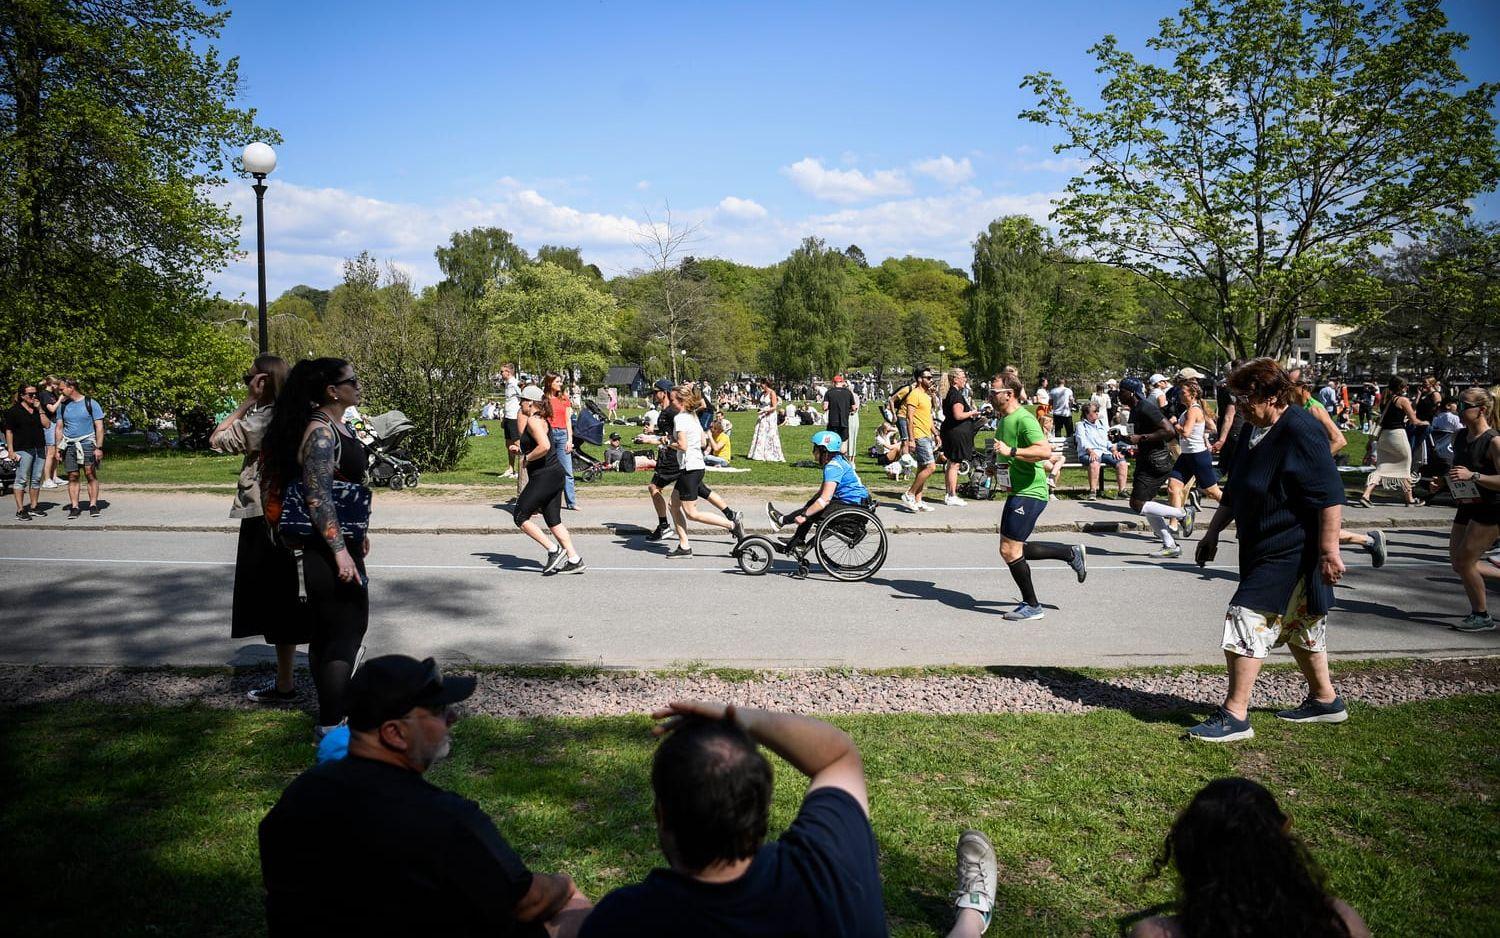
[888, 125]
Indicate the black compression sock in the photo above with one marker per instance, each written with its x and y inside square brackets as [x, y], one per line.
[1045, 550]
[661, 521]
[1020, 571]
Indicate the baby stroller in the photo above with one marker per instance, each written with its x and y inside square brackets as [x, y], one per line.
[588, 427]
[389, 464]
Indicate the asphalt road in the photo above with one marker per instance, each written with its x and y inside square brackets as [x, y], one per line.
[140, 598]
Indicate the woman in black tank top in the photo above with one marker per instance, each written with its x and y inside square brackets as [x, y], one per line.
[1393, 447]
[1475, 483]
[307, 440]
[545, 481]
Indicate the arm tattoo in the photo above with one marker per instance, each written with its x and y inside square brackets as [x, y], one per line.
[318, 453]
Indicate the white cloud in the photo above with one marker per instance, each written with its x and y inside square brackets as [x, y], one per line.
[643, 185]
[946, 169]
[1068, 165]
[735, 207]
[310, 231]
[845, 185]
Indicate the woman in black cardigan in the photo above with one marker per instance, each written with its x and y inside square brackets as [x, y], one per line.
[1286, 500]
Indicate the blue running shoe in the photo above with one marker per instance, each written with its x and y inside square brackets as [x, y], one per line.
[1221, 727]
[1313, 711]
[1025, 613]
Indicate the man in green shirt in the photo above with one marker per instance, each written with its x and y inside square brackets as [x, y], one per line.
[1020, 445]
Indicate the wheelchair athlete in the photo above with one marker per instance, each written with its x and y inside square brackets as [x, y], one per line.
[841, 486]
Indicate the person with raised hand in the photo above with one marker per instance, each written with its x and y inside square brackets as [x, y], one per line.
[712, 788]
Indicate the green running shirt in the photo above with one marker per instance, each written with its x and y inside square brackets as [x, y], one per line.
[1021, 430]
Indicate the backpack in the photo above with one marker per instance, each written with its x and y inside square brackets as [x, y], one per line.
[627, 462]
[88, 408]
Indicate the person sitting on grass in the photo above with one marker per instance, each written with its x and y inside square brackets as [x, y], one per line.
[718, 449]
[370, 821]
[841, 486]
[1241, 871]
[712, 788]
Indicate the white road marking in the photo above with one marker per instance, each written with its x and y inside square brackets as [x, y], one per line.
[1059, 568]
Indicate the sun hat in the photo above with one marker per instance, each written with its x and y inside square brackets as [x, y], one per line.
[531, 393]
[1191, 372]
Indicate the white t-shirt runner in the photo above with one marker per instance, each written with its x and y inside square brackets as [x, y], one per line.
[687, 426]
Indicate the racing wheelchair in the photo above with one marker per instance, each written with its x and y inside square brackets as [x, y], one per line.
[847, 540]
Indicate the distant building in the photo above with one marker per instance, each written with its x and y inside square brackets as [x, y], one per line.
[1315, 342]
[630, 379]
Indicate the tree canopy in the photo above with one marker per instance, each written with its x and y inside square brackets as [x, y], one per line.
[1267, 146]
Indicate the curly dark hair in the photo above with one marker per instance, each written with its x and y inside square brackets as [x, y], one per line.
[1241, 872]
[713, 792]
[303, 391]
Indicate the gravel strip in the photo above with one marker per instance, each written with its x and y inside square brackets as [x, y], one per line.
[1016, 690]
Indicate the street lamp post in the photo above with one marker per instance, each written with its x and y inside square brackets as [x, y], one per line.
[260, 160]
[942, 357]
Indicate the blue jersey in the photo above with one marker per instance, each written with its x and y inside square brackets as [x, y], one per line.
[849, 489]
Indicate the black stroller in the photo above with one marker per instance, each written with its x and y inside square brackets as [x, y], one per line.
[389, 464]
[588, 427]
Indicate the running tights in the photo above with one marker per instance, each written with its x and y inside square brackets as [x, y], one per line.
[1157, 516]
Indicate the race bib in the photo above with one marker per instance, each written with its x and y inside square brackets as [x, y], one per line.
[1466, 491]
[1002, 477]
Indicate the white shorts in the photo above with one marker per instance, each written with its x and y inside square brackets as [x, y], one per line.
[1252, 633]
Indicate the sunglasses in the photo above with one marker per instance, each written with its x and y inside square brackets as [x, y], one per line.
[352, 381]
[28, 394]
[1475, 406]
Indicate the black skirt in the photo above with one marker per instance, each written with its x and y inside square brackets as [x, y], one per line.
[265, 589]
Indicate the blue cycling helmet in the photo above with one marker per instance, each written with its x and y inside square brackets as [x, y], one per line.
[828, 440]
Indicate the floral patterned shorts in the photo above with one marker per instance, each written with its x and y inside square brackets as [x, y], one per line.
[1252, 633]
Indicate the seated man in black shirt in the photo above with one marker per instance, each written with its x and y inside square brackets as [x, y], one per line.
[365, 845]
[713, 798]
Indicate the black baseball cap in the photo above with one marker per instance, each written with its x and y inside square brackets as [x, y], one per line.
[665, 384]
[388, 687]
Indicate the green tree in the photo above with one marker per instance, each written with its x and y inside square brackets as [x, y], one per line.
[474, 259]
[1270, 145]
[879, 339]
[318, 298]
[810, 324]
[569, 259]
[1014, 285]
[547, 318]
[116, 125]
[1440, 300]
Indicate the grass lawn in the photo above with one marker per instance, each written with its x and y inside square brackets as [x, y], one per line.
[485, 461]
[133, 821]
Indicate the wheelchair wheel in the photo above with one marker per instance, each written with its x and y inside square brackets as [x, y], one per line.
[754, 555]
[850, 544]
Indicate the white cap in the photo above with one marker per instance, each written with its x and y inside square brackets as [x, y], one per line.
[1157, 379]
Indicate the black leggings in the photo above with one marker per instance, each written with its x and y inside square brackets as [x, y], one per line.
[543, 493]
[339, 614]
[800, 534]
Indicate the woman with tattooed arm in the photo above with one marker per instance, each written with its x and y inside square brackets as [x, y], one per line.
[307, 441]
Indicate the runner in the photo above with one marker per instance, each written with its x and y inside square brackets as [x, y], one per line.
[1475, 483]
[687, 440]
[1302, 395]
[1195, 463]
[1153, 465]
[669, 467]
[1020, 445]
[545, 481]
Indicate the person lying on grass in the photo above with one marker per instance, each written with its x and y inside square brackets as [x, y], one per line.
[712, 786]
[364, 845]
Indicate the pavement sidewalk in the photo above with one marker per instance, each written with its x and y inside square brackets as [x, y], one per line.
[405, 513]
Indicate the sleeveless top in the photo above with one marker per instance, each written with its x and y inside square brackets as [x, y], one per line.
[1394, 417]
[528, 443]
[352, 459]
[1474, 455]
[1194, 441]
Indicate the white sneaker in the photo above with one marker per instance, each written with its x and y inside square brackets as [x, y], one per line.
[908, 501]
[953, 500]
[977, 875]
[923, 506]
[49, 484]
